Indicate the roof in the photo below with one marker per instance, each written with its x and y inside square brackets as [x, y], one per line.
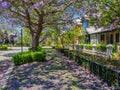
[92, 30]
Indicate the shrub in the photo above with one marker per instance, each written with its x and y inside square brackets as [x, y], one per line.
[59, 45]
[89, 46]
[27, 57]
[38, 56]
[39, 48]
[81, 46]
[115, 56]
[114, 48]
[3, 47]
[98, 47]
[118, 55]
[101, 47]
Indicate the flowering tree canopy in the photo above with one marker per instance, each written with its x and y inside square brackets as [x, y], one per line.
[104, 13]
[39, 14]
[36, 14]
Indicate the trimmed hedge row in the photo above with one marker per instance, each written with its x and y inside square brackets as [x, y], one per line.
[27, 57]
[101, 47]
[3, 47]
[89, 46]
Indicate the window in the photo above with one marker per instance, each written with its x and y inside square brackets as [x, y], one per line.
[117, 37]
[102, 37]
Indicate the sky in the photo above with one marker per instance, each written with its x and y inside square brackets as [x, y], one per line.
[84, 23]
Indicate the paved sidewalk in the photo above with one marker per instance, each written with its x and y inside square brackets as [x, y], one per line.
[6, 64]
[58, 73]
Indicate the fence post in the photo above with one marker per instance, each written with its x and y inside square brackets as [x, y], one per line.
[84, 48]
[93, 48]
[80, 60]
[70, 47]
[98, 71]
[91, 67]
[118, 79]
[106, 75]
[109, 51]
[75, 58]
[69, 55]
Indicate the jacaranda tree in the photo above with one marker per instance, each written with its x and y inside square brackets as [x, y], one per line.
[35, 14]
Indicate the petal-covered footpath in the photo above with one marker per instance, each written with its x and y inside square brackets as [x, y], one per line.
[57, 73]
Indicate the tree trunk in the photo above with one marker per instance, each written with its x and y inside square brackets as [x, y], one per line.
[35, 41]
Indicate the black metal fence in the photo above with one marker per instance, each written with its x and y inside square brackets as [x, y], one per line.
[109, 75]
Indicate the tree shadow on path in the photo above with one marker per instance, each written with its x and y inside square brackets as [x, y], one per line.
[54, 74]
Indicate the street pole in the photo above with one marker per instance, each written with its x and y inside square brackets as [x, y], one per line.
[21, 40]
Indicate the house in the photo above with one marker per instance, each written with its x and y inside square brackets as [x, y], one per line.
[6, 32]
[101, 35]
[81, 25]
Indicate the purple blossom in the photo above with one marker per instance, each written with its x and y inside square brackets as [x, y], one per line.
[5, 14]
[1, 1]
[84, 8]
[69, 27]
[58, 86]
[92, 12]
[38, 4]
[5, 5]
[111, 26]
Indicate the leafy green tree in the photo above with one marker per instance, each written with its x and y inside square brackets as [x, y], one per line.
[104, 13]
[70, 36]
[27, 37]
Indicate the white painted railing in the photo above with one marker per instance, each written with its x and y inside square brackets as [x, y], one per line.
[94, 51]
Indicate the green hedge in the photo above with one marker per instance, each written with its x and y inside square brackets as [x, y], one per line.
[89, 46]
[81, 46]
[3, 47]
[27, 57]
[101, 47]
[114, 48]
